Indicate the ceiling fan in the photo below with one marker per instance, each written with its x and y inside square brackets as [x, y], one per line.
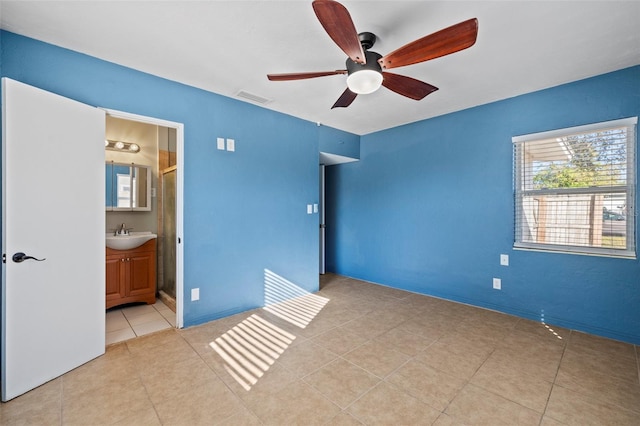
[365, 68]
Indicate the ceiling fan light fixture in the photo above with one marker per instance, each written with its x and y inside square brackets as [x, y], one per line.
[365, 75]
[364, 82]
[365, 78]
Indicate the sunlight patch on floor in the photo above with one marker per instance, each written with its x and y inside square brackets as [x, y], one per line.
[250, 348]
[290, 302]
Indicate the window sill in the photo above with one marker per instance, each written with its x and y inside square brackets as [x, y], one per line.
[618, 254]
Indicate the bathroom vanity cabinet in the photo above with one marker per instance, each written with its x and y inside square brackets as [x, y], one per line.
[131, 275]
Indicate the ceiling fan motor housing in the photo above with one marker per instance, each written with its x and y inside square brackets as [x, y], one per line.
[372, 63]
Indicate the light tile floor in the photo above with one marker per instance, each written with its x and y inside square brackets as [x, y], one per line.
[131, 321]
[371, 355]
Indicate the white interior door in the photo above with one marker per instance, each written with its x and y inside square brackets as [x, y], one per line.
[53, 311]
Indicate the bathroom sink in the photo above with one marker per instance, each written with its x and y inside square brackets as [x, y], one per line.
[129, 241]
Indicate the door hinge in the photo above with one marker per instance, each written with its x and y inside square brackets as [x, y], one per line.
[4, 257]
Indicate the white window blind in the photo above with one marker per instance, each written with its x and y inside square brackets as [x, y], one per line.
[575, 189]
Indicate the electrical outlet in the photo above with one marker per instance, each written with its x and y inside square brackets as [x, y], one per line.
[195, 294]
[231, 145]
[497, 283]
[504, 259]
[220, 142]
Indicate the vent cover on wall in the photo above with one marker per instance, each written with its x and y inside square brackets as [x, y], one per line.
[253, 98]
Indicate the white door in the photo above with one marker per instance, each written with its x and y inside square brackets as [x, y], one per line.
[53, 311]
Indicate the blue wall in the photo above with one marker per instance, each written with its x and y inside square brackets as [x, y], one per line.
[429, 208]
[338, 142]
[245, 211]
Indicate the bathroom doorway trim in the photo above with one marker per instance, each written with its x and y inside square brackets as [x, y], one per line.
[179, 198]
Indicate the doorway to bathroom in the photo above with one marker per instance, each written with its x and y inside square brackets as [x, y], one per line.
[165, 157]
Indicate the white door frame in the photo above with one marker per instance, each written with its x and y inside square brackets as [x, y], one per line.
[323, 224]
[179, 198]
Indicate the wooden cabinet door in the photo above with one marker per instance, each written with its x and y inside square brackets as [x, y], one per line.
[114, 278]
[142, 277]
[131, 275]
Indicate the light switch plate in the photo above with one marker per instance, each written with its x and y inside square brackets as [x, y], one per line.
[195, 294]
[309, 209]
[221, 144]
[231, 145]
[504, 259]
[315, 208]
[497, 283]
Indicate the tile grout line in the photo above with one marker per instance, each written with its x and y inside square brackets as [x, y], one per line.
[131, 327]
[468, 381]
[587, 395]
[411, 358]
[555, 377]
[139, 375]
[360, 397]
[341, 356]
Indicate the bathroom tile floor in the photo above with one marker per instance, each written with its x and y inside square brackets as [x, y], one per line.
[354, 353]
[137, 320]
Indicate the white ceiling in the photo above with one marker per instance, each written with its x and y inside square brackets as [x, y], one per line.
[229, 46]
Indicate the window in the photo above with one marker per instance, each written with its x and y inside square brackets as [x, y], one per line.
[575, 189]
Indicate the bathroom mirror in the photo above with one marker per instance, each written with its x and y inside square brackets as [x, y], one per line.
[128, 187]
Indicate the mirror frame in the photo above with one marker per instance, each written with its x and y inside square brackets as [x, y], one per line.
[141, 168]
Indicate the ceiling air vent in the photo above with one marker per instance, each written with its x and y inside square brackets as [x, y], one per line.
[253, 98]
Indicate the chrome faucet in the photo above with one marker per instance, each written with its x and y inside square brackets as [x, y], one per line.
[122, 230]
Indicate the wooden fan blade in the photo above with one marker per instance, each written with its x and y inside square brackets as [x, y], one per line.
[407, 86]
[444, 42]
[345, 99]
[302, 75]
[337, 22]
